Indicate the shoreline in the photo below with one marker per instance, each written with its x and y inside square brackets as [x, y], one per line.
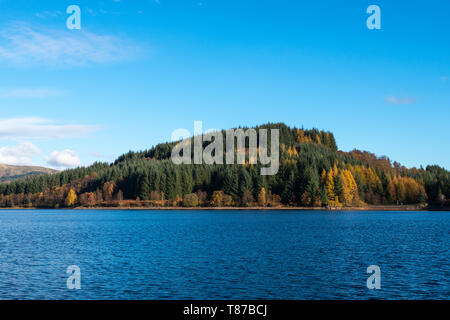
[256, 208]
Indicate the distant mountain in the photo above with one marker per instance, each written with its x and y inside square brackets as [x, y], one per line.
[9, 173]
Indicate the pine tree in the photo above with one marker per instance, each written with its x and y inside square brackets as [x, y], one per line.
[144, 188]
[339, 188]
[324, 196]
[288, 191]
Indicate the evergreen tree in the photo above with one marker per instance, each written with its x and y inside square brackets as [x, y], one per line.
[288, 191]
[144, 188]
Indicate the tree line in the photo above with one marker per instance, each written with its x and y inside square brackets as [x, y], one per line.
[313, 173]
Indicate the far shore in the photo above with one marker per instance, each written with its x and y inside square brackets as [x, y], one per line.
[279, 208]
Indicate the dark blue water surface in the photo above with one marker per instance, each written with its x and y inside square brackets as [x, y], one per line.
[223, 254]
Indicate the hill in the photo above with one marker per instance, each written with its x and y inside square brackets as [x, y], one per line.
[9, 173]
[312, 173]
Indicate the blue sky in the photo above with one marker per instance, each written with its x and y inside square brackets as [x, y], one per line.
[138, 70]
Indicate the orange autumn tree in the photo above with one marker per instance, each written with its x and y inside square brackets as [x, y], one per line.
[406, 190]
[108, 190]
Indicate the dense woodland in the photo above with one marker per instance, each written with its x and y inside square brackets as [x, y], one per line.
[313, 173]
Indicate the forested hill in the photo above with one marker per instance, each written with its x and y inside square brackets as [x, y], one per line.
[288, 137]
[312, 173]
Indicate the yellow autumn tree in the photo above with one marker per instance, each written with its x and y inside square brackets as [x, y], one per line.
[349, 188]
[301, 137]
[71, 198]
[358, 174]
[292, 152]
[412, 189]
[391, 191]
[335, 171]
[353, 186]
[217, 198]
[372, 179]
[329, 187]
[400, 190]
[262, 197]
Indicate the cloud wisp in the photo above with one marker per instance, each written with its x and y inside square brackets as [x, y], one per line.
[40, 128]
[400, 100]
[30, 93]
[24, 45]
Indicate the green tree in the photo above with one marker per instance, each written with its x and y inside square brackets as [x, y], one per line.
[144, 188]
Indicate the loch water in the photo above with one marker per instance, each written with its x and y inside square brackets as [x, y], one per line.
[215, 254]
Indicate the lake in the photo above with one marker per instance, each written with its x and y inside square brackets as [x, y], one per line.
[179, 254]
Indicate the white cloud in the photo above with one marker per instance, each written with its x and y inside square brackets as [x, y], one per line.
[39, 128]
[30, 93]
[65, 158]
[20, 154]
[397, 100]
[23, 45]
